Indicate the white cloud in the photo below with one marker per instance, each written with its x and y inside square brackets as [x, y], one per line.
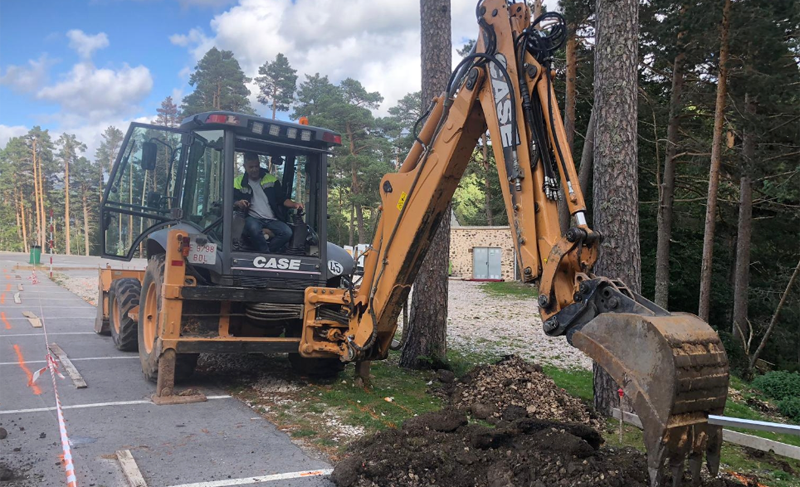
[29, 78]
[374, 41]
[9, 132]
[90, 132]
[86, 44]
[89, 93]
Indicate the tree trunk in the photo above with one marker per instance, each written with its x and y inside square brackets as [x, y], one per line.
[754, 357]
[43, 216]
[744, 231]
[24, 224]
[616, 203]
[352, 223]
[362, 233]
[274, 101]
[666, 193]
[587, 156]
[487, 192]
[36, 194]
[713, 173]
[427, 335]
[66, 205]
[17, 213]
[85, 224]
[569, 117]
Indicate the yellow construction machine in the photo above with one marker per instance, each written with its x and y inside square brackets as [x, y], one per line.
[200, 294]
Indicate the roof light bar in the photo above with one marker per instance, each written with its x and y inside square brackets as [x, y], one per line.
[274, 130]
[305, 135]
[291, 132]
[219, 118]
[332, 138]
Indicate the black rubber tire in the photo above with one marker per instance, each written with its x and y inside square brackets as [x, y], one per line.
[316, 367]
[312, 367]
[101, 322]
[123, 296]
[184, 363]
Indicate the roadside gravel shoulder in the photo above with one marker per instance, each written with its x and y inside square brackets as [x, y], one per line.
[480, 323]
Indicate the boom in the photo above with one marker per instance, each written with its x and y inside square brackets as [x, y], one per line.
[673, 367]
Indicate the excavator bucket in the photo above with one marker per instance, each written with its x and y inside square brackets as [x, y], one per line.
[674, 371]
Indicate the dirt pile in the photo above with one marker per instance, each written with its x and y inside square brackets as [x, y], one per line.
[441, 448]
[512, 389]
[523, 445]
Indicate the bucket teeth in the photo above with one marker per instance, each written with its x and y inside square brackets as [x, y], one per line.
[674, 371]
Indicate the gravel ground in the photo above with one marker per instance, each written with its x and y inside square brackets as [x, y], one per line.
[478, 323]
[483, 323]
[84, 287]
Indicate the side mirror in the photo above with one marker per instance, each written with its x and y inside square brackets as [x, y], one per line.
[149, 152]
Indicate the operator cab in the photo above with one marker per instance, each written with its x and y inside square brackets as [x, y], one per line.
[184, 177]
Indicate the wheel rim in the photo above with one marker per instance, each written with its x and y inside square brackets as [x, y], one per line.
[115, 316]
[150, 318]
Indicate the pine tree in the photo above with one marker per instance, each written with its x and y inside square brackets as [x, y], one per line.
[616, 213]
[427, 335]
[277, 83]
[106, 154]
[69, 150]
[167, 114]
[219, 85]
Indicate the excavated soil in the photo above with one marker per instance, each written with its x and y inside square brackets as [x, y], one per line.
[513, 388]
[523, 445]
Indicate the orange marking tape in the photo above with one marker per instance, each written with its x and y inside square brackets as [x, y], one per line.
[8, 287]
[24, 367]
[5, 321]
[3, 298]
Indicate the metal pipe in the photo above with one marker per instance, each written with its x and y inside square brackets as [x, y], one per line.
[751, 424]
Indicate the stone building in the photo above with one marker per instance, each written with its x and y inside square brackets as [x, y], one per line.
[483, 253]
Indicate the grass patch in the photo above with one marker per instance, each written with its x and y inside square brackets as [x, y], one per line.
[511, 289]
[318, 412]
[577, 382]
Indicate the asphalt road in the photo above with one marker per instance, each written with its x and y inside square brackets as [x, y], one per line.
[213, 444]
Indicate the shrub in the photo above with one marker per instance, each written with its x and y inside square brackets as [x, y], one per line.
[779, 385]
[790, 407]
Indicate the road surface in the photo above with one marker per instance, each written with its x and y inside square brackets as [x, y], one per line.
[213, 444]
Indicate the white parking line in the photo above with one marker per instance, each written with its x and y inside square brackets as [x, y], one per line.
[49, 334]
[261, 479]
[75, 359]
[96, 405]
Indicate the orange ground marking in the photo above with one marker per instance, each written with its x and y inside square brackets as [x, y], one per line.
[3, 298]
[8, 287]
[24, 367]
[5, 321]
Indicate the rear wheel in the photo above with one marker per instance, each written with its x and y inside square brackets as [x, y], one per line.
[101, 325]
[149, 313]
[122, 298]
[313, 367]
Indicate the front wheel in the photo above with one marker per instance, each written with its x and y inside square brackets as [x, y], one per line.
[149, 313]
[123, 297]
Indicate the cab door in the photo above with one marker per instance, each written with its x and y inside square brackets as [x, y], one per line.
[141, 194]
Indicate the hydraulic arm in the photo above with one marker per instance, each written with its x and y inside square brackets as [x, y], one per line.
[672, 367]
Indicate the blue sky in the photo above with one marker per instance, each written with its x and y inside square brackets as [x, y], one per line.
[79, 66]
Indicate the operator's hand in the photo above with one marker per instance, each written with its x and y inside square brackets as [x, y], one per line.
[298, 206]
[242, 204]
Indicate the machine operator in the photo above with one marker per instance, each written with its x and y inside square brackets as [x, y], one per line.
[259, 195]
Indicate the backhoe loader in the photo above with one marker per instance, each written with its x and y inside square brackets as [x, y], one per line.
[671, 366]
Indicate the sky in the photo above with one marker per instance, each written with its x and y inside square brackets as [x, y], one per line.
[88, 64]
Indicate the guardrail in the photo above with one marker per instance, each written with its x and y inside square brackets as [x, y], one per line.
[742, 439]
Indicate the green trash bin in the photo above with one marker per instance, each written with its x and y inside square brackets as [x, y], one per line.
[36, 255]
